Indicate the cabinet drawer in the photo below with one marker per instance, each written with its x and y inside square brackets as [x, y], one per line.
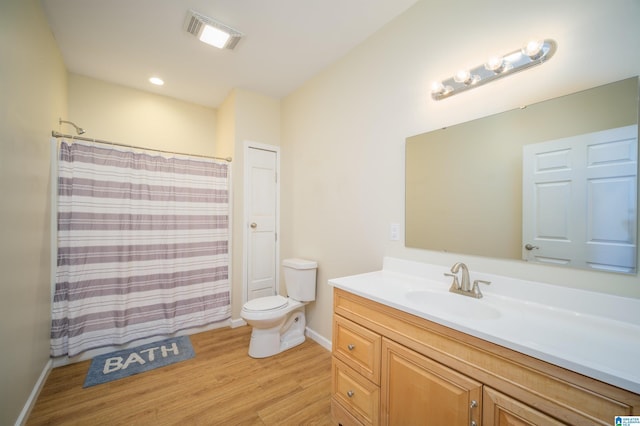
[358, 395]
[341, 416]
[358, 347]
[500, 409]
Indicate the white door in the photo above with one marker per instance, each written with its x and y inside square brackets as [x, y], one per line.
[579, 200]
[261, 222]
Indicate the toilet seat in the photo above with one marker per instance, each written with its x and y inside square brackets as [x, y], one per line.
[267, 303]
[273, 308]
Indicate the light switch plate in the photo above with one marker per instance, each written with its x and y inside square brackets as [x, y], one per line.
[394, 234]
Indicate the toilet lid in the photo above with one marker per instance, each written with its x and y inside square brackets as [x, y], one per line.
[265, 303]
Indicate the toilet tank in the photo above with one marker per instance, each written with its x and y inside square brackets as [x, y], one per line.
[300, 279]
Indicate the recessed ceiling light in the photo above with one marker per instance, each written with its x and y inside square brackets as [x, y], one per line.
[156, 80]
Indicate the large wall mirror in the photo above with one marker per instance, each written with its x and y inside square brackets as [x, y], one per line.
[555, 182]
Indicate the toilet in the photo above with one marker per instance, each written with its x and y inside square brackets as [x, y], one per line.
[279, 322]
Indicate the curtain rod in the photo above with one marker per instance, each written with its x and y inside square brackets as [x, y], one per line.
[61, 135]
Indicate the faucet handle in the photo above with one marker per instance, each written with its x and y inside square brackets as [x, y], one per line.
[476, 288]
[455, 284]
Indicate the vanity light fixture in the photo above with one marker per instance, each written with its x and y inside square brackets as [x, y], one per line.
[212, 32]
[533, 53]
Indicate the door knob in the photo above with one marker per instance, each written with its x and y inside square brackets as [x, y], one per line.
[253, 225]
[531, 247]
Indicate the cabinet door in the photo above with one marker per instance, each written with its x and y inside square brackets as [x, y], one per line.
[417, 390]
[501, 410]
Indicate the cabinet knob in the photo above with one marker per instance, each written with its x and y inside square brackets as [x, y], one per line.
[351, 346]
[350, 393]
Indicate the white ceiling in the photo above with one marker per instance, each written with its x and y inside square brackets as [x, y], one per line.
[286, 42]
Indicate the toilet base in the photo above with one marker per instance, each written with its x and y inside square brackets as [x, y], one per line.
[268, 342]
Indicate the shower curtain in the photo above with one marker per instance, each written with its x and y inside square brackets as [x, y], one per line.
[143, 246]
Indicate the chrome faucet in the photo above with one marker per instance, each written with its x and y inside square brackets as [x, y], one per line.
[464, 279]
[464, 286]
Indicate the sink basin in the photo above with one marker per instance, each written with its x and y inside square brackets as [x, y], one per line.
[453, 304]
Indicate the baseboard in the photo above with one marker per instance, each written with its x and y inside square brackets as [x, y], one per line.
[33, 397]
[318, 338]
[234, 323]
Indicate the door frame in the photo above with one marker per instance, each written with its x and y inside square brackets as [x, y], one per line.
[245, 216]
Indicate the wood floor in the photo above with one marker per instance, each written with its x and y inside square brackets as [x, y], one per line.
[221, 385]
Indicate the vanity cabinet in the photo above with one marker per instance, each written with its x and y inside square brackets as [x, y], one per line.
[394, 368]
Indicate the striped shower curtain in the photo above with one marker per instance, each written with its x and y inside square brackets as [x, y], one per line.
[143, 246]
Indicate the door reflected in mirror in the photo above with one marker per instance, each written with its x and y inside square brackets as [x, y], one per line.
[464, 184]
[579, 200]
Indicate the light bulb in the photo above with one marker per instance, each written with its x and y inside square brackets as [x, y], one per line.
[465, 77]
[462, 76]
[496, 64]
[437, 87]
[533, 49]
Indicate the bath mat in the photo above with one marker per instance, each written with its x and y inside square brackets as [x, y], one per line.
[127, 362]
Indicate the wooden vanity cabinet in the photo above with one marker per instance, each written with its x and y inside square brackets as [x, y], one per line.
[393, 368]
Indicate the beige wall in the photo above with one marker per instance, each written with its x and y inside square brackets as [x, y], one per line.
[225, 130]
[32, 97]
[244, 116]
[119, 114]
[344, 130]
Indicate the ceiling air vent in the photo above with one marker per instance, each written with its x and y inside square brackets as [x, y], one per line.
[212, 32]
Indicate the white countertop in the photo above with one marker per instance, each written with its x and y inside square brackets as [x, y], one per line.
[594, 334]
